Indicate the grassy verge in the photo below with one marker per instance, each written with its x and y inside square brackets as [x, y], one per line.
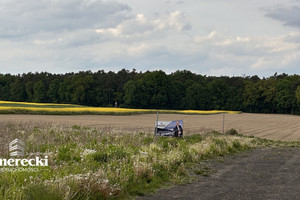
[85, 163]
[8, 107]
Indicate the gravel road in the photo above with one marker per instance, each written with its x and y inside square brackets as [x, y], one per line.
[259, 174]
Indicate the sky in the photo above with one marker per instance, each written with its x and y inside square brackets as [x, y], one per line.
[212, 37]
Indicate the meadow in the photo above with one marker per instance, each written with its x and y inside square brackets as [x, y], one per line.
[91, 163]
[10, 107]
[116, 157]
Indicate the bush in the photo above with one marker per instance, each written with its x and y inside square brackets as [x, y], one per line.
[231, 132]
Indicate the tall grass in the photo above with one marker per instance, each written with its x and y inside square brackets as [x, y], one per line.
[87, 163]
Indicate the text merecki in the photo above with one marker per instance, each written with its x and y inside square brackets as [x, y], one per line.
[24, 162]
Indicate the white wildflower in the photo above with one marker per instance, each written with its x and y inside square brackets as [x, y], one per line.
[87, 152]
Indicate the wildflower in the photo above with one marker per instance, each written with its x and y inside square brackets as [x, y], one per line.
[105, 181]
[87, 152]
[143, 153]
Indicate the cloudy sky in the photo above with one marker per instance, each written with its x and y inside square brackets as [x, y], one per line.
[212, 37]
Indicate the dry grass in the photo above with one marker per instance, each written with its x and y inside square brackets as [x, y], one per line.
[97, 163]
[105, 162]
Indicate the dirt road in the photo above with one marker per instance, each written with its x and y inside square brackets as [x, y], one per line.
[266, 174]
[271, 126]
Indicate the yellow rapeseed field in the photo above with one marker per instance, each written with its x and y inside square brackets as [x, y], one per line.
[29, 103]
[207, 111]
[51, 108]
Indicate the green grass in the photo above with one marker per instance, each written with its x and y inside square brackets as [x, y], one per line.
[86, 163]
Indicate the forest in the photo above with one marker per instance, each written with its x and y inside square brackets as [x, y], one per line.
[157, 90]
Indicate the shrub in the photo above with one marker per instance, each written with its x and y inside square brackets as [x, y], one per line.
[236, 144]
[231, 132]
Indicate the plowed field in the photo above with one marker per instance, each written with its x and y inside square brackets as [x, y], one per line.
[270, 126]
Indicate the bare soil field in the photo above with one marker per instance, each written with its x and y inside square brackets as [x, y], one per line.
[270, 126]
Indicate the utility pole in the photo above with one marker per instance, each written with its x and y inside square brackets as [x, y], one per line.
[156, 123]
[223, 123]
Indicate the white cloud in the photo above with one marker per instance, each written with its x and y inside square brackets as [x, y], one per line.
[22, 18]
[210, 36]
[176, 21]
[293, 37]
[138, 49]
[249, 54]
[213, 37]
[144, 27]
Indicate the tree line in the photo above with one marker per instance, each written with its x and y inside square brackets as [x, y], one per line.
[157, 90]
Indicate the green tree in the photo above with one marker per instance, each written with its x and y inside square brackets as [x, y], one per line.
[251, 96]
[156, 89]
[137, 94]
[5, 82]
[269, 94]
[196, 96]
[17, 91]
[218, 94]
[284, 97]
[83, 92]
[29, 91]
[53, 93]
[152, 90]
[65, 90]
[40, 91]
[297, 94]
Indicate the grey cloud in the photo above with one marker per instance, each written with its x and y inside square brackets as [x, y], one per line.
[67, 39]
[293, 38]
[177, 2]
[19, 18]
[290, 16]
[142, 28]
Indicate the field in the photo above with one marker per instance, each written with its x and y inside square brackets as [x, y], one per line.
[10, 107]
[93, 163]
[270, 126]
[116, 156]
